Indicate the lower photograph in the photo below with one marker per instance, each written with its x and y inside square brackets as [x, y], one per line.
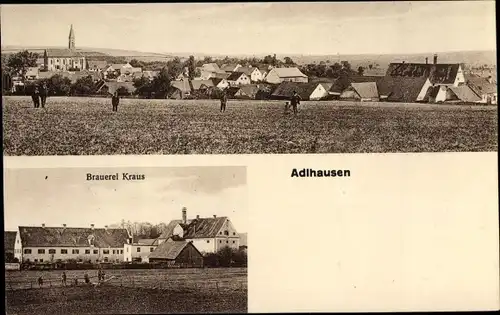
[126, 240]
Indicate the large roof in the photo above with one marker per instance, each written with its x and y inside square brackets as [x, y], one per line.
[72, 237]
[285, 89]
[365, 89]
[197, 84]
[169, 249]
[289, 72]
[465, 94]
[441, 73]
[64, 53]
[404, 89]
[246, 70]
[97, 64]
[340, 84]
[481, 85]
[9, 240]
[235, 75]
[196, 228]
[182, 85]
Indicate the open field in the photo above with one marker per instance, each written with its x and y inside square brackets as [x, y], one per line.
[132, 291]
[87, 126]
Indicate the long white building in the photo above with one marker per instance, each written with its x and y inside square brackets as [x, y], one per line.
[52, 244]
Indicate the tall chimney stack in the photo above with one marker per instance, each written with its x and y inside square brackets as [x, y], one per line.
[43, 225]
[426, 60]
[184, 215]
[92, 226]
[435, 59]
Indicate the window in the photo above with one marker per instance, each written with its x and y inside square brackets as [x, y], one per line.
[114, 252]
[87, 251]
[105, 251]
[41, 260]
[151, 249]
[64, 251]
[234, 242]
[52, 251]
[138, 249]
[121, 251]
[105, 259]
[41, 251]
[220, 241]
[36, 260]
[208, 241]
[127, 249]
[75, 251]
[27, 251]
[226, 232]
[227, 242]
[220, 232]
[96, 251]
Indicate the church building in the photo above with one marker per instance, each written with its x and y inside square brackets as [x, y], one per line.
[65, 59]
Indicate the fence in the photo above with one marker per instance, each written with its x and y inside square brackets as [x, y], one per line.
[208, 285]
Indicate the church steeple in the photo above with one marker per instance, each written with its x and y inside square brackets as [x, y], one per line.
[71, 44]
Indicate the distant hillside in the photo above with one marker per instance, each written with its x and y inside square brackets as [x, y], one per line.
[97, 52]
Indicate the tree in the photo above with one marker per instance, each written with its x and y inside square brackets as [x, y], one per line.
[161, 84]
[289, 61]
[361, 70]
[346, 65]
[191, 66]
[136, 63]
[122, 91]
[225, 255]
[174, 68]
[58, 85]
[19, 63]
[84, 86]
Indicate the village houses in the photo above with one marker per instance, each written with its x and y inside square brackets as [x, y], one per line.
[238, 78]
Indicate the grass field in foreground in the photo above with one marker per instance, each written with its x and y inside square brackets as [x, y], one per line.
[87, 126]
[132, 291]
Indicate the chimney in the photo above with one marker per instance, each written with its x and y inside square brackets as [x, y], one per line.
[43, 225]
[184, 215]
[215, 216]
[403, 62]
[435, 59]
[64, 225]
[426, 60]
[106, 227]
[92, 226]
[197, 217]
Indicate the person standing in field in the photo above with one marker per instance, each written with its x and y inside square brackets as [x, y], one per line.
[295, 101]
[35, 96]
[115, 100]
[43, 94]
[223, 100]
[64, 278]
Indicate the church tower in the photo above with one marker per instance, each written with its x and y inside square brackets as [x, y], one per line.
[71, 44]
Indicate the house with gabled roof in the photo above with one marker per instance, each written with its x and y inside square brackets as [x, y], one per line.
[403, 89]
[176, 252]
[208, 235]
[307, 91]
[139, 251]
[97, 65]
[252, 72]
[362, 91]
[438, 73]
[51, 244]
[463, 94]
[238, 78]
[293, 74]
[180, 89]
[485, 88]
[220, 83]
[231, 67]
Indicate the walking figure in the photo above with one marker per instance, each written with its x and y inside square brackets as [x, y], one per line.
[87, 279]
[64, 278]
[287, 107]
[40, 281]
[295, 101]
[76, 281]
[35, 96]
[223, 101]
[43, 94]
[99, 275]
[102, 275]
[115, 100]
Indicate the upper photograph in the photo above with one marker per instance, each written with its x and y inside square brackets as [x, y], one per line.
[249, 78]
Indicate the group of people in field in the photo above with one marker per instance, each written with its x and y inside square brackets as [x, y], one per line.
[294, 102]
[40, 93]
[100, 276]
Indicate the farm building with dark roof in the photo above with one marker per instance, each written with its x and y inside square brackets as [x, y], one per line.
[238, 78]
[307, 91]
[403, 89]
[463, 94]
[361, 91]
[485, 88]
[45, 244]
[9, 242]
[438, 74]
[179, 253]
[208, 234]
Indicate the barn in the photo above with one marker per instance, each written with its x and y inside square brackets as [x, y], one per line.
[307, 91]
[177, 253]
[363, 91]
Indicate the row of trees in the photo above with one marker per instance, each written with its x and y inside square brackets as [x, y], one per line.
[226, 257]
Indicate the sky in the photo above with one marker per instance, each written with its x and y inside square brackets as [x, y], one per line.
[258, 28]
[64, 196]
